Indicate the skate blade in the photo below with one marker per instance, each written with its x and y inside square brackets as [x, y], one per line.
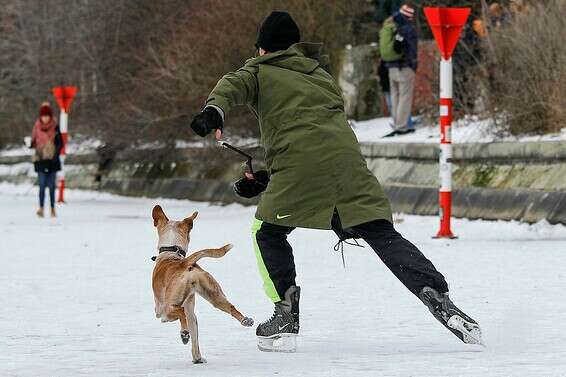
[471, 332]
[278, 343]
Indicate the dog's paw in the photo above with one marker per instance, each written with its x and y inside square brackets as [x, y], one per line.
[185, 336]
[247, 322]
[202, 360]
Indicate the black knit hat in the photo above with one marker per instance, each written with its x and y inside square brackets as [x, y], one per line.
[278, 32]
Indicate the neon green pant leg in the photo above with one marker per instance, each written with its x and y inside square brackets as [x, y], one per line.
[268, 285]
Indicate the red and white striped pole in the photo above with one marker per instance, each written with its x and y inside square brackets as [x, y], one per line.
[63, 127]
[64, 96]
[445, 157]
[446, 25]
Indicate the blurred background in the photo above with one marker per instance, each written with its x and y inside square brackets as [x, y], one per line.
[140, 64]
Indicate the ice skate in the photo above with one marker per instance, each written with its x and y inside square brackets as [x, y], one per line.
[279, 333]
[451, 317]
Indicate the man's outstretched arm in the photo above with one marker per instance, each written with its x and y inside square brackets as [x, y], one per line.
[235, 88]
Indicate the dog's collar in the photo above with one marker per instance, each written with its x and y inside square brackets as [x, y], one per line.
[175, 249]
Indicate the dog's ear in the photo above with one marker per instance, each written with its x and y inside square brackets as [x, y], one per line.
[158, 214]
[189, 220]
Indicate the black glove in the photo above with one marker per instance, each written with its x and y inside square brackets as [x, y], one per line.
[207, 120]
[248, 188]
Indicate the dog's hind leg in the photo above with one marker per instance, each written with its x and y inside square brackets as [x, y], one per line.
[211, 291]
[189, 307]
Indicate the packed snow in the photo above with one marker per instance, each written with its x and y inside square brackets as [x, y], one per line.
[466, 130]
[77, 300]
[82, 145]
[76, 145]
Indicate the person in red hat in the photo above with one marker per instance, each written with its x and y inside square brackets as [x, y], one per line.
[47, 142]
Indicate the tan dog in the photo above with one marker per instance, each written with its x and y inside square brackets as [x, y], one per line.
[176, 279]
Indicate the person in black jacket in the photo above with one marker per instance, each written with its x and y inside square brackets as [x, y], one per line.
[403, 70]
[47, 142]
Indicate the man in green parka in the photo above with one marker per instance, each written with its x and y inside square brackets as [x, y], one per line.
[316, 178]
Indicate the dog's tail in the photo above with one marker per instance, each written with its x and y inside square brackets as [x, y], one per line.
[207, 253]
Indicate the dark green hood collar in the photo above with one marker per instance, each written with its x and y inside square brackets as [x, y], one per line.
[302, 57]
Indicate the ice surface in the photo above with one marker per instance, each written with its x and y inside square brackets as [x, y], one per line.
[76, 297]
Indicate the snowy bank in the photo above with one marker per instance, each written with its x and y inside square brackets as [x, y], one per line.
[467, 130]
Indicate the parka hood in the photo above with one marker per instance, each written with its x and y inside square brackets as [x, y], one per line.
[302, 57]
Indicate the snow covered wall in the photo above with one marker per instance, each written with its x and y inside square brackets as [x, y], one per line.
[496, 181]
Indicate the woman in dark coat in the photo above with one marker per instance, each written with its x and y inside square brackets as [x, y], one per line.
[47, 142]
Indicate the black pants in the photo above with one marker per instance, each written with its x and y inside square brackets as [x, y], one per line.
[403, 258]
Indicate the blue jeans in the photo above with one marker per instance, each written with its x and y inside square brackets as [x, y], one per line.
[387, 95]
[47, 180]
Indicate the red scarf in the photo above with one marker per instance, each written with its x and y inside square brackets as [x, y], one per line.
[43, 132]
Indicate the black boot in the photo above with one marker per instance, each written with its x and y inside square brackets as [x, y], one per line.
[455, 320]
[284, 323]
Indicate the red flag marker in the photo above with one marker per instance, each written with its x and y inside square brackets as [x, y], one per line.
[446, 25]
[64, 96]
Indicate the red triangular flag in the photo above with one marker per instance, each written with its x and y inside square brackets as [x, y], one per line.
[64, 96]
[446, 25]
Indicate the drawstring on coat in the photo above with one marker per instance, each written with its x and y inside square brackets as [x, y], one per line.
[340, 247]
[343, 236]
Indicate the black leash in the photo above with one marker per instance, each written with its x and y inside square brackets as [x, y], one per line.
[241, 152]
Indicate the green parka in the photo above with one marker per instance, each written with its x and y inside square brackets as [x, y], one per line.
[311, 152]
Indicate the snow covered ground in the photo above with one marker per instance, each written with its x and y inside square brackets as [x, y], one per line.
[468, 130]
[85, 145]
[76, 298]
[78, 145]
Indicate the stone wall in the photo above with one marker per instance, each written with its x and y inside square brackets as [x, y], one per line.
[201, 174]
[497, 181]
[527, 166]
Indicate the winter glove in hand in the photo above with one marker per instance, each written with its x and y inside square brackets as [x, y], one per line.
[248, 188]
[209, 119]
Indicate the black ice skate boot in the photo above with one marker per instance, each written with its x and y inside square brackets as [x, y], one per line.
[451, 317]
[278, 334]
